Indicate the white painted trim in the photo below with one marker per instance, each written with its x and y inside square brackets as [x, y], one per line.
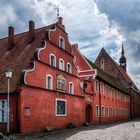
[104, 111]
[63, 64]
[72, 88]
[51, 54]
[48, 75]
[86, 70]
[51, 30]
[98, 86]
[41, 50]
[26, 71]
[85, 75]
[58, 99]
[84, 58]
[70, 67]
[63, 47]
[108, 111]
[98, 110]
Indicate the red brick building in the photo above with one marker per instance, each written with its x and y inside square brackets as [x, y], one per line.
[53, 84]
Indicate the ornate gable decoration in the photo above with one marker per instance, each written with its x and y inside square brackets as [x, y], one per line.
[61, 83]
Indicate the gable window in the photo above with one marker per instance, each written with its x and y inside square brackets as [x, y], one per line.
[61, 64]
[61, 43]
[71, 88]
[61, 107]
[97, 111]
[3, 111]
[102, 64]
[69, 68]
[97, 85]
[61, 83]
[106, 90]
[52, 60]
[49, 82]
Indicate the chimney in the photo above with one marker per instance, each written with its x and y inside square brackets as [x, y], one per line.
[60, 20]
[10, 37]
[31, 31]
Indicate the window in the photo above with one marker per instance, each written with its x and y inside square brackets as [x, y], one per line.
[49, 82]
[103, 111]
[71, 88]
[69, 70]
[97, 85]
[102, 88]
[61, 64]
[97, 111]
[52, 60]
[110, 91]
[61, 43]
[106, 90]
[110, 112]
[61, 107]
[3, 111]
[107, 111]
[61, 83]
[102, 64]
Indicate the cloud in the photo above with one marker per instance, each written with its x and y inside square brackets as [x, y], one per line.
[91, 24]
[125, 15]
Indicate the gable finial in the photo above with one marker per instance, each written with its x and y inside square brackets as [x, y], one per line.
[122, 49]
[57, 11]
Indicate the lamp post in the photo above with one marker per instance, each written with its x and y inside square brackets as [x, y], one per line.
[8, 75]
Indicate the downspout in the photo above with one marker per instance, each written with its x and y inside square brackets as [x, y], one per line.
[100, 103]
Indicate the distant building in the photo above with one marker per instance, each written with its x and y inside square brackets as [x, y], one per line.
[53, 84]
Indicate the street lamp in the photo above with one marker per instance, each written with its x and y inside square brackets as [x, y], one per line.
[8, 75]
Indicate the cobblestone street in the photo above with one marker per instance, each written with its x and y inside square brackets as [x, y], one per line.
[118, 131]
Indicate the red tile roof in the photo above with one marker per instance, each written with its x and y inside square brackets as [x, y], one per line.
[19, 57]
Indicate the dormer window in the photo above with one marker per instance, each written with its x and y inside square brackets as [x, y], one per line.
[61, 64]
[61, 43]
[102, 64]
[52, 60]
[69, 70]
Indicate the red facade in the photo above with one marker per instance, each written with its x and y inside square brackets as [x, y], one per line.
[61, 86]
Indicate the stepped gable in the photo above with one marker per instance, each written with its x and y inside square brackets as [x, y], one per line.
[19, 57]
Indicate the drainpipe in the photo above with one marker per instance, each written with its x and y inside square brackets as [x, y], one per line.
[100, 103]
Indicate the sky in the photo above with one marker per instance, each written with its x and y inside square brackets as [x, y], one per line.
[92, 24]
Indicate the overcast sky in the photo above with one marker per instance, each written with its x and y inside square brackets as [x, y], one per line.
[91, 24]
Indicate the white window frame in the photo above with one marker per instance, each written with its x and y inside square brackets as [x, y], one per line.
[102, 87]
[54, 59]
[97, 111]
[63, 64]
[63, 47]
[58, 99]
[103, 113]
[48, 75]
[71, 83]
[107, 113]
[96, 81]
[4, 110]
[70, 68]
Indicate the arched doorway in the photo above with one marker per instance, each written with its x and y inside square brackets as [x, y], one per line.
[88, 114]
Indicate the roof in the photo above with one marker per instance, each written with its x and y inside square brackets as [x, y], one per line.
[19, 57]
[126, 81]
[115, 82]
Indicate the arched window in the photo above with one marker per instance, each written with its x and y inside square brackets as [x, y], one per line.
[69, 69]
[61, 42]
[49, 82]
[61, 64]
[71, 88]
[53, 60]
